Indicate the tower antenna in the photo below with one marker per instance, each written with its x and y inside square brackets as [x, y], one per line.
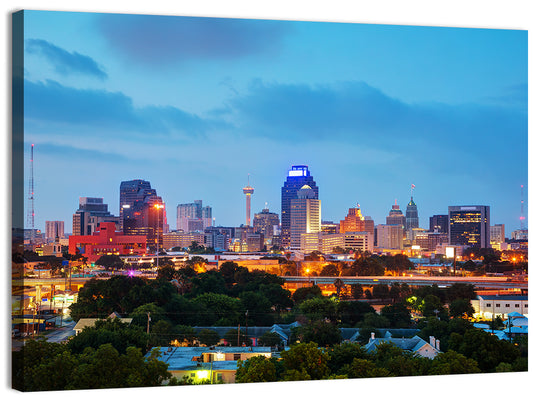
[30, 221]
[522, 217]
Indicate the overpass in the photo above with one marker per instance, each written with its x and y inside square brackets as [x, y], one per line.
[478, 282]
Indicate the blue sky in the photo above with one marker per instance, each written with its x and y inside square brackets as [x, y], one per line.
[194, 105]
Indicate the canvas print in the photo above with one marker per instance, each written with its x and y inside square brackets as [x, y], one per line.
[201, 200]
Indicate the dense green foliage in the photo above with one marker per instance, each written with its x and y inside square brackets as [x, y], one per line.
[44, 366]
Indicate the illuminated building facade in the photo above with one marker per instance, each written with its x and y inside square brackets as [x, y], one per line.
[143, 212]
[131, 191]
[265, 222]
[91, 212]
[359, 241]
[356, 222]
[395, 216]
[193, 216]
[297, 177]
[497, 236]
[320, 241]
[182, 240]
[411, 215]
[390, 236]
[106, 241]
[469, 225]
[305, 215]
[438, 223]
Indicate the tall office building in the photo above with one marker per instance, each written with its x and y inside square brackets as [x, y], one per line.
[497, 235]
[54, 228]
[305, 215]
[265, 222]
[91, 212]
[143, 212]
[131, 191]
[469, 225]
[389, 236]
[439, 223]
[193, 217]
[396, 216]
[297, 177]
[411, 215]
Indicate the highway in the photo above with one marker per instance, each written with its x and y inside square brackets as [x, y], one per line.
[478, 282]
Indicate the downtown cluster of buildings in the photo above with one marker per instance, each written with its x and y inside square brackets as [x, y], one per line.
[142, 226]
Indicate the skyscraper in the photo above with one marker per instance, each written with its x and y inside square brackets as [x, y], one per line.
[411, 215]
[469, 225]
[131, 191]
[439, 223]
[265, 223]
[396, 216]
[91, 212]
[305, 215]
[193, 217]
[297, 177]
[142, 211]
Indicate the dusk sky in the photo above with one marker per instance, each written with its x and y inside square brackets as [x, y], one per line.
[194, 105]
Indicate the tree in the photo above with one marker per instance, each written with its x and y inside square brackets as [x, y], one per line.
[398, 315]
[363, 368]
[380, 291]
[258, 308]
[270, 339]
[208, 337]
[486, 349]
[167, 272]
[356, 290]
[208, 282]
[305, 359]
[218, 309]
[329, 270]
[352, 312]
[304, 293]
[344, 353]
[451, 362]
[461, 291]
[461, 308]
[256, 369]
[323, 333]
[279, 297]
[120, 335]
[110, 262]
[141, 314]
[315, 309]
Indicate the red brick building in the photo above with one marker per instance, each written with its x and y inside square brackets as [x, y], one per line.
[106, 241]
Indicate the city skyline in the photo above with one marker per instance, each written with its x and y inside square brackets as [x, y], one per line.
[195, 118]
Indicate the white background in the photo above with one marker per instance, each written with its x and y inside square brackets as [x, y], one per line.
[511, 14]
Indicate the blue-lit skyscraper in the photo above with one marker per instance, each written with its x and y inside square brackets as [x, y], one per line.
[297, 177]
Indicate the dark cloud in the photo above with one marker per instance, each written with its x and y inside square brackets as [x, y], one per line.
[160, 40]
[359, 113]
[82, 153]
[64, 62]
[52, 102]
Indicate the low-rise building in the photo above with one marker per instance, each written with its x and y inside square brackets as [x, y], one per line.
[415, 344]
[489, 306]
[214, 364]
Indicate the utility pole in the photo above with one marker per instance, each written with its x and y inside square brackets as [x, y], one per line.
[148, 324]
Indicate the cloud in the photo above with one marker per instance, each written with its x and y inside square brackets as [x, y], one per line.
[76, 152]
[104, 111]
[160, 40]
[64, 62]
[360, 113]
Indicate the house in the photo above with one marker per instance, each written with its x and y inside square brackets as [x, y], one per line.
[214, 364]
[415, 344]
[254, 333]
[90, 322]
